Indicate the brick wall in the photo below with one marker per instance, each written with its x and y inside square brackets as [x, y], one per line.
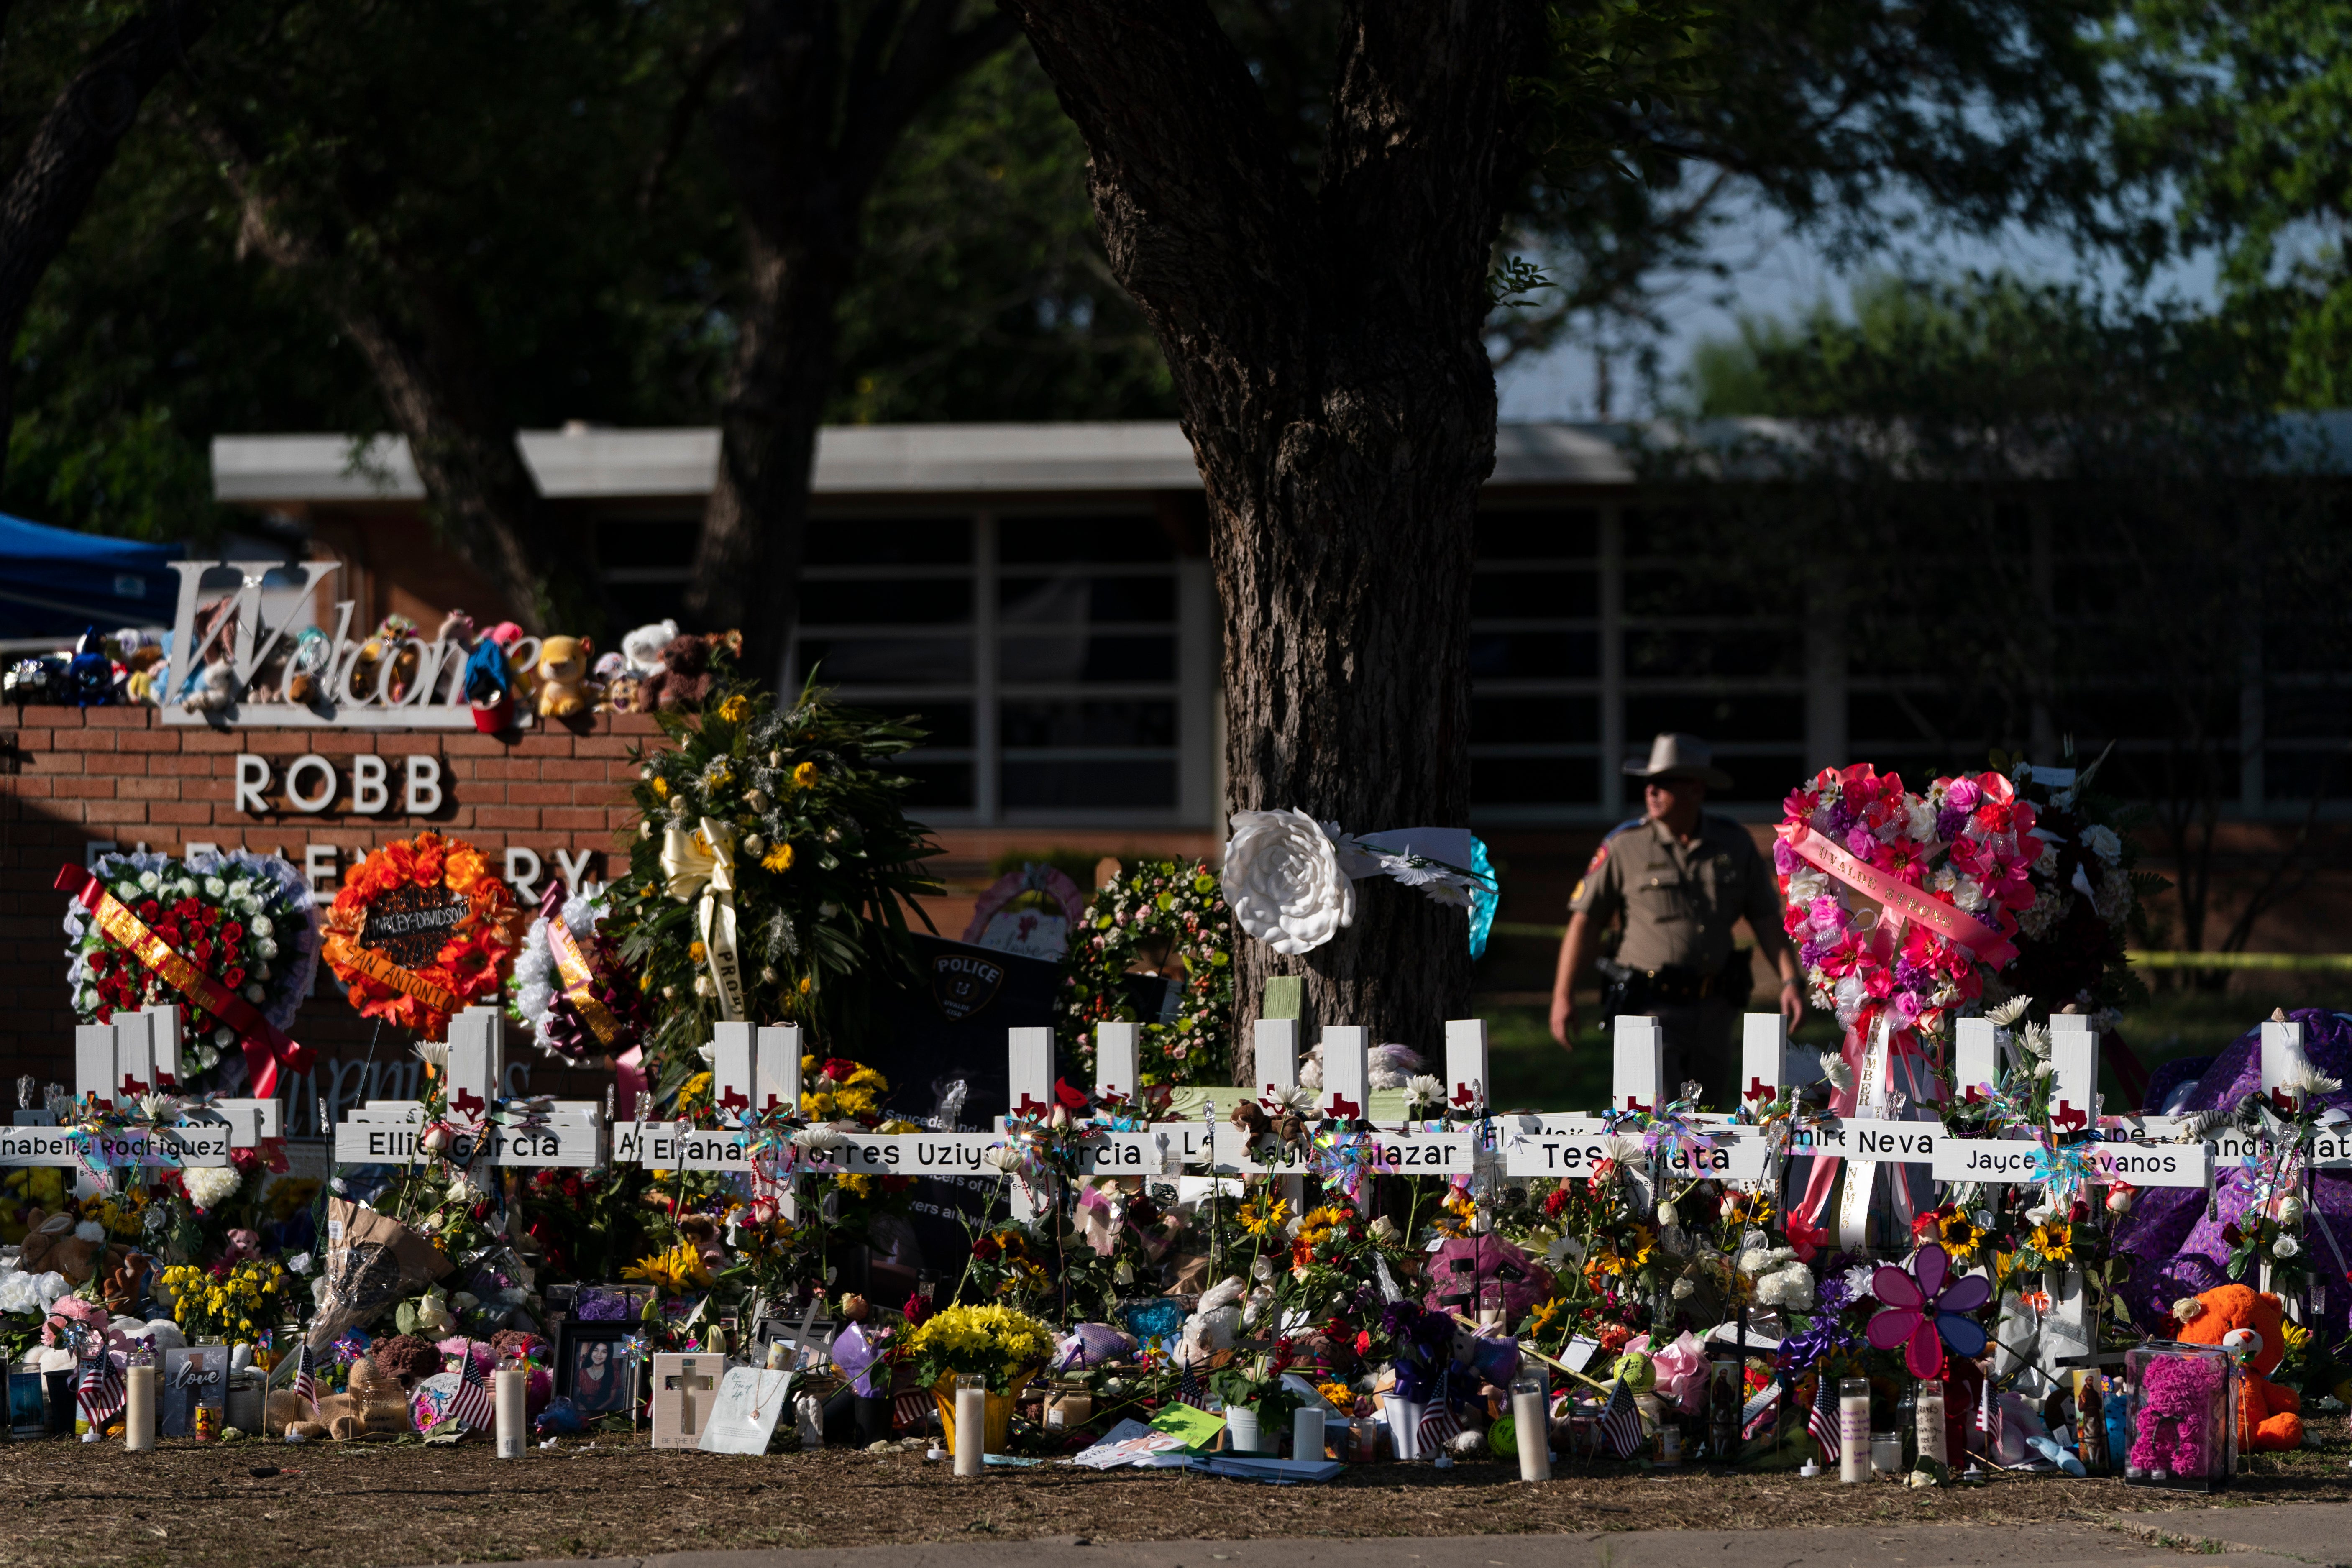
[69, 776]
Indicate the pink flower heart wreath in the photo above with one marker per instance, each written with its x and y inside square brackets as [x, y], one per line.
[1948, 870]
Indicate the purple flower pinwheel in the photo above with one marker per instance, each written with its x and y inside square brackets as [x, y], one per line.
[1922, 1305]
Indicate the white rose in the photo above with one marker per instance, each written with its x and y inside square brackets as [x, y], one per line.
[214, 887]
[2101, 840]
[51, 1288]
[2286, 1246]
[259, 925]
[1283, 882]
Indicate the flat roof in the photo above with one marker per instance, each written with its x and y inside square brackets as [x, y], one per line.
[851, 459]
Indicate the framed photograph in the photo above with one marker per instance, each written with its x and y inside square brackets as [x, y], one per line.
[806, 1351]
[593, 1366]
[25, 1416]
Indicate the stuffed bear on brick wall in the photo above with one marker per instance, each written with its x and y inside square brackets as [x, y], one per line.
[685, 679]
[2268, 1415]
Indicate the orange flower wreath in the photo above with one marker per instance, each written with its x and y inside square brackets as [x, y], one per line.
[421, 929]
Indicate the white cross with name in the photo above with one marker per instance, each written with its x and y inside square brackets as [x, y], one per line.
[390, 1132]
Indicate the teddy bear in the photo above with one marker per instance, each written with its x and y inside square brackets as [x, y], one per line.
[685, 679]
[564, 677]
[641, 650]
[2250, 1325]
[54, 1244]
[371, 1405]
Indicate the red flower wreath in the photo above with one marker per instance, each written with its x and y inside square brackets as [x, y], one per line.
[380, 934]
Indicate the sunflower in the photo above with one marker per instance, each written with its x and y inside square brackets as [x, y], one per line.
[1645, 1242]
[1265, 1215]
[1960, 1236]
[2054, 1241]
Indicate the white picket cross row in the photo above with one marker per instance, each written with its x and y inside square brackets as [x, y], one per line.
[1465, 1066]
[1763, 1057]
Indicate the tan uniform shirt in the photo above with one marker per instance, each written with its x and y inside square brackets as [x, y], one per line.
[1679, 902]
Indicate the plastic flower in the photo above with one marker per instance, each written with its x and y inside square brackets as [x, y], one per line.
[1920, 1311]
[1282, 879]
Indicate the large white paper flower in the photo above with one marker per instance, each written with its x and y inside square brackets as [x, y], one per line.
[211, 1186]
[1284, 882]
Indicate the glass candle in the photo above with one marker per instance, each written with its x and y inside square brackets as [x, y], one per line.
[970, 1424]
[1527, 1415]
[511, 1381]
[1853, 1429]
[1306, 1433]
[1928, 1418]
[138, 1401]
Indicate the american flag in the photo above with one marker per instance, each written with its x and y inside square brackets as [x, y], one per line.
[101, 1394]
[1621, 1423]
[911, 1409]
[1187, 1390]
[306, 1379]
[1823, 1423]
[1439, 1426]
[470, 1408]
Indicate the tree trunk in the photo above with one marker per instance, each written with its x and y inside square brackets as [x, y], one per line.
[73, 147]
[804, 133]
[1328, 358]
[435, 391]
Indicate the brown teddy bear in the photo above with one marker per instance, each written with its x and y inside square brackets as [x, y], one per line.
[372, 1406]
[2252, 1325]
[51, 1245]
[685, 679]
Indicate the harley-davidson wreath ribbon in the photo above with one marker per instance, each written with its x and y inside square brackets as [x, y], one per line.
[1903, 901]
[384, 971]
[266, 1048]
[580, 980]
[702, 865]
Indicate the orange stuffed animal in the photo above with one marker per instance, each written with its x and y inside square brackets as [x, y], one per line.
[2268, 1415]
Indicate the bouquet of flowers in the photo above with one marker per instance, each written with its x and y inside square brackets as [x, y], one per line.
[569, 987]
[1166, 923]
[230, 1301]
[997, 1342]
[1953, 864]
[247, 920]
[773, 872]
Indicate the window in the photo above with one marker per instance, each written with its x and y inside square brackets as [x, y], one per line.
[1060, 661]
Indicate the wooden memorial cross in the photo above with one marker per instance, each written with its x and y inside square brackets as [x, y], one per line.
[390, 1132]
[115, 1064]
[752, 1072]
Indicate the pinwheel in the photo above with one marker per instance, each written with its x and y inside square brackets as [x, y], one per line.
[1922, 1310]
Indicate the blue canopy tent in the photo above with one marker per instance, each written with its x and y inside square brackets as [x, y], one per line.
[54, 582]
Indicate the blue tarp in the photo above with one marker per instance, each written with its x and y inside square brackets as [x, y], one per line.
[54, 582]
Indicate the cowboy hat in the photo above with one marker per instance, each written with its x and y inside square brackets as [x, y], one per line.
[1677, 756]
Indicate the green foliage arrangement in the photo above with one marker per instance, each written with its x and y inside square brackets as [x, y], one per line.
[823, 860]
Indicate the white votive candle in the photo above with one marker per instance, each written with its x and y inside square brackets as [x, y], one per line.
[512, 1383]
[1853, 1429]
[971, 1426]
[139, 1408]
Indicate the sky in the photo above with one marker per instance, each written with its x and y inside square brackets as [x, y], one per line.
[1774, 273]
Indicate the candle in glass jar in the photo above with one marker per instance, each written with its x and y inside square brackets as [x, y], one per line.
[1306, 1433]
[138, 1405]
[1930, 1418]
[971, 1425]
[512, 1382]
[1527, 1416]
[1853, 1429]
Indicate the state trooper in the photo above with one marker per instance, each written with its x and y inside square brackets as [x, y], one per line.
[1681, 879]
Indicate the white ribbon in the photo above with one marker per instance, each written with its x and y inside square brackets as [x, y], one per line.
[702, 864]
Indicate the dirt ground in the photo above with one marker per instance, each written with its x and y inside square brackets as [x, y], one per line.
[368, 1505]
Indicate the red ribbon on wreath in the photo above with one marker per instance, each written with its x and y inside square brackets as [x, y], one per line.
[266, 1046]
